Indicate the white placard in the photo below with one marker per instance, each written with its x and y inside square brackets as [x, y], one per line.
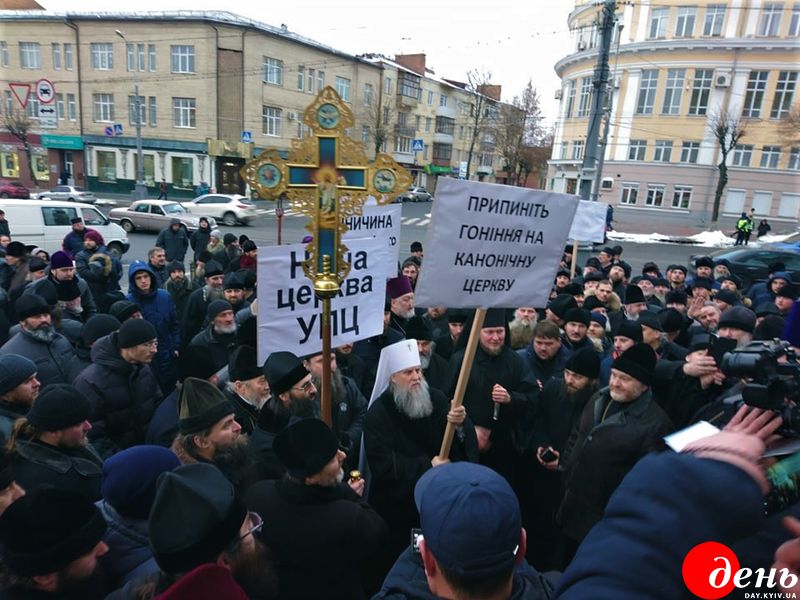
[289, 315]
[382, 222]
[493, 245]
[589, 224]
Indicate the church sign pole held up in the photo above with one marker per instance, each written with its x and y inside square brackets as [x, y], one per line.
[491, 246]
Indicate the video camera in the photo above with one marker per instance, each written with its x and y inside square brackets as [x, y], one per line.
[772, 383]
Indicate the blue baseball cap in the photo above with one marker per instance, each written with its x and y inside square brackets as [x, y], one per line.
[470, 519]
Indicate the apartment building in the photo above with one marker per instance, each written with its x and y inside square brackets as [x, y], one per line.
[675, 67]
[214, 89]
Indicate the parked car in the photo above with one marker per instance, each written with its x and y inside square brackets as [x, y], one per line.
[154, 215]
[230, 208]
[750, 264]
[13, 189]
[415, 194]
[72, 193]
[44, 223]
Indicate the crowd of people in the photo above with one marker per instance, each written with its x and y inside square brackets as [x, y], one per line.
[147, 453]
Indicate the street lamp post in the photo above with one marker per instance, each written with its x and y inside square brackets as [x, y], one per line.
[140, 190]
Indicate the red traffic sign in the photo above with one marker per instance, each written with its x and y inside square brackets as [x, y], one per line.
[45, 91]
[22, 92]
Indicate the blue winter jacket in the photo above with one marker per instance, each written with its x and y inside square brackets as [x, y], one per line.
[157, 307]
[129, 556]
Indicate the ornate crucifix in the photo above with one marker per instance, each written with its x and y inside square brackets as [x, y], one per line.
[328, 177]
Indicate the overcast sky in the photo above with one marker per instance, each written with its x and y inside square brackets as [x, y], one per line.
[515, 40]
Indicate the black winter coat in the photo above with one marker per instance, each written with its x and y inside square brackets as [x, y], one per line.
[323, 538]
[602, 452]
[123, 397]
[37, 465]
[174, 243]
[216, 348]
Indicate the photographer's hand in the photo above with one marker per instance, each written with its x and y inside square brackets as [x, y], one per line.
[756, 421]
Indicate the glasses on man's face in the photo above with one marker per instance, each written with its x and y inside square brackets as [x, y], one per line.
[256, 524]
[306, 387]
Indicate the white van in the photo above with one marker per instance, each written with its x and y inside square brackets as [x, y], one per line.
[44, 223]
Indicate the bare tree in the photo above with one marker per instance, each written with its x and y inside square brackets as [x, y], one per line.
[789, 127]
[483, 112]
[533, 159]
[379, 120]
[520, 127]
[728, 130]
[19, 125]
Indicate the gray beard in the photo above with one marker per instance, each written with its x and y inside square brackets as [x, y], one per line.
[415, 405]
[212, 293]
[225, 330]
[424, 361]
[44, 333]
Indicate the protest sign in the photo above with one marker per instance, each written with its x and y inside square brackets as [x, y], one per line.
[589, 224]
[290, 315]
[493, 245]
[382, 222]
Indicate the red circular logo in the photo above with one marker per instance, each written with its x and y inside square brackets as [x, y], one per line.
[709, 569]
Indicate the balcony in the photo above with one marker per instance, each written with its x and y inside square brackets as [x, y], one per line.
[404, 131]
[447, 111]
[484, 170]
[407, 101]
[404, 157]
[443, 138]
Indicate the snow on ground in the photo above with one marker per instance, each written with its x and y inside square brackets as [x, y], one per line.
[706, 239]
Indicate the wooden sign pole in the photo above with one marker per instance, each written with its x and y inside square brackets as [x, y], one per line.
[463, 377]
[574, 258]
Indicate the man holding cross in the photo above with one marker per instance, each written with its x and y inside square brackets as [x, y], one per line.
[403, 435]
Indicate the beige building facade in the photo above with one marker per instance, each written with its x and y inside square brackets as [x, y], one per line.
[214, 89]
[675, 67]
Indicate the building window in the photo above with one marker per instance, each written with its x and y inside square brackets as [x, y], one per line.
[417, 119]
[60, 107]
[141, 57]
[770, 22]
[320, 80]
[794, 23]
[273, 71]
[672, 92]
[68, 57]
[584, 101]
[684, 26]
[430, 98]
[756, 86]
[151, 111]
[56, 56]
[4, 58]
[770, 155]
[562, 153]
[630, 193]
[681, 196]
[784, 94]
[365, 134]
[310, 81]
[409, 85]
[442, 151]
[789, 205]
[132, 110]
[271, 121]
[658, 22]
[442, 99]
[794, 159]
[131, 55]
[184, 112]
[32, 110]
[402, 144]
[701, 90]
[368, 93]
[647, 92]
[29, 55]
[570, 104]
[761, 203]
[182, 172]
[663, 151]
[715, 17]
[106, 166]
[387, 86]
[102, 56]
[577, 150]
[151, 57]
[636, 149]
[72, 108]
[182, 59]
[445, 125]
[428, 123]
[742, 155]
[343, 88]
[655, 195]
[689, 151]
[461, 132]
[104, 108]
